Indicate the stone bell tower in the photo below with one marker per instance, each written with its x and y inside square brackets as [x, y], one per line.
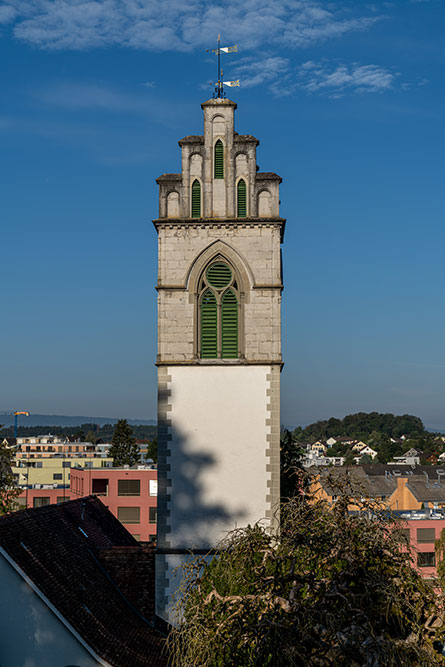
[219, 344]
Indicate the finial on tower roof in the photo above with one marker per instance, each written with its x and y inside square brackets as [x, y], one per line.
[219, 85]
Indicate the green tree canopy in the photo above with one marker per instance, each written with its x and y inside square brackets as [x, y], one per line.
[8, 487]
[334, 589]
[124, 449]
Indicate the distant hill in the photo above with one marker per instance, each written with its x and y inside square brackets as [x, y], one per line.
[362, 425]
[67, 420]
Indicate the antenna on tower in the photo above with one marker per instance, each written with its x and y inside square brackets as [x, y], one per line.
[219, 85]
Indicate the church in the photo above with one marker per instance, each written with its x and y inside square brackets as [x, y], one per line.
[219, 345]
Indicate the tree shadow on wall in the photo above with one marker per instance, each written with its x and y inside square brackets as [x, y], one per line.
[189, 517]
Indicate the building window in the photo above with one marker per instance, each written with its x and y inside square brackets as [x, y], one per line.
[137, 537]
[219, 160]
[242, 198]
[128, 487]
[426, 559]
[426, 535]
[153, 514]
[219, 313]
[196, 199]
[57, 475]
[129, 514]
[40, 501]
[63, 499]
[153, 487]
[66, 464]
[99, 486]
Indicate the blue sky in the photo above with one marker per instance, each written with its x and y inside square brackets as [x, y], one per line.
[347, 99]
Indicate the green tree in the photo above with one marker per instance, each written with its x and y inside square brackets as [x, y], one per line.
[8, 487]
[152, 450]
[91, 437]
[124, 449]
[349, 458]
[333, 590]
[290, 465]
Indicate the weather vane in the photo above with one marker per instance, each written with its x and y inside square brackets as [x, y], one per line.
[219, 85]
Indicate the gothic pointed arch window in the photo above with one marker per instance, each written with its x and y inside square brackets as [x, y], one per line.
[196, 199]
[241, 198]
[219, 304]
[219, 160]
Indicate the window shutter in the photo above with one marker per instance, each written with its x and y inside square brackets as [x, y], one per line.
[208, 326]
[242, 204]
[129, 514]
[128, 487]
[229, 325]
[196, 199]
[219, 159]
[219, 275]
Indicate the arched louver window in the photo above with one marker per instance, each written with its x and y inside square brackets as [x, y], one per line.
[209, 325]
[219, 313]
[196, 199]
[229, 326]
[219, 159]
[242, 199]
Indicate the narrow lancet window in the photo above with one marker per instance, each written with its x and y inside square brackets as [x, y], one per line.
[196, 199]
[242, 198]
[229, 326]
[219, 159]
[209, 325]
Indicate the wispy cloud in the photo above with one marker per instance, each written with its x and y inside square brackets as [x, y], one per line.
[336, 79]
[256, 72]
[178, 25]
[325, 77]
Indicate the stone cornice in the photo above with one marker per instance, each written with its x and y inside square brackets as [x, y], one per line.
[197, 223]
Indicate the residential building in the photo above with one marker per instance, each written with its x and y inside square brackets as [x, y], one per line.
[42, 446]
[400, 488]
[55, 469]
[129, 492]
[77, 589]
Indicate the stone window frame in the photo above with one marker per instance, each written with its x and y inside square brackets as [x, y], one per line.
[215, 141]
[220, 251]
[169, 192]
[192, 180]
[219, 294]
[263, 189]
[246, 181]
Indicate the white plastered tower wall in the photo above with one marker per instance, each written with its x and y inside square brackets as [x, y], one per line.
[218, 417]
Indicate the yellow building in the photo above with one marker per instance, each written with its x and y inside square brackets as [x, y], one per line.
[55, 470]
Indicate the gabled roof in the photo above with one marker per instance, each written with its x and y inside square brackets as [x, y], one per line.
[58, 547]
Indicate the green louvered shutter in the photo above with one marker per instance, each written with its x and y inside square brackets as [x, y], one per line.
[219, 159]
[219, 275]
[208, 326]
[229, 325]
[196, 199]
[242, 206]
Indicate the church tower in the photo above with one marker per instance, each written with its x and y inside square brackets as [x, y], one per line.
[219, 344]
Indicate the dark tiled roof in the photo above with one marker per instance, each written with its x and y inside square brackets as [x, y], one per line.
[268, 176]
[245, 138]
[58, 546]
[191, 139]
[169, 177]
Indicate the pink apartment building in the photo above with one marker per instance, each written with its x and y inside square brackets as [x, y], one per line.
[129, 493]
[422, 532]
